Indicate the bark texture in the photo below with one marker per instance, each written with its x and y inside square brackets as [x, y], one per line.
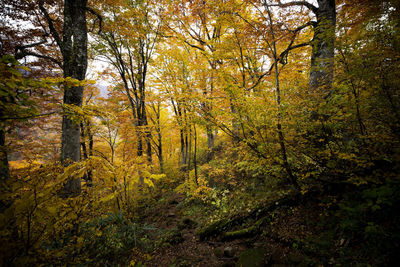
[74, 51]
[323, 47]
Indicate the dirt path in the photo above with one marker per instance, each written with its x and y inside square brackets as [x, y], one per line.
[184, 248]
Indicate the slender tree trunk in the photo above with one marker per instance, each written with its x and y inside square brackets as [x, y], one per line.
[148, 144]
[189, 148]
[83, 142]
[235, 124]
[210, 137]
[159, 136]
[186, 147]
[160, 156]
[183, 149]
[4, 168]
[89, 179]
[286, 164]
[74, 51]
[85, 150]
[139, 142]
[195, 155]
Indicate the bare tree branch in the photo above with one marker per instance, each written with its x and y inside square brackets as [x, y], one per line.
[28, 117]
[49, 20]
[295, 3]
[21, 53]
[99, 17]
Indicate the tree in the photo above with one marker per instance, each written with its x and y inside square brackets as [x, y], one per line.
[69, 34]
[129, 49]
[197, 25]
[74, 51]
[321, 72]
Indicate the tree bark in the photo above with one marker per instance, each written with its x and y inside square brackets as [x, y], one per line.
[4, 168]
[210, 137]
[74, 51]
[195, 155]
[323, 47]
[159, 137]
[323, 43]
[87, 151]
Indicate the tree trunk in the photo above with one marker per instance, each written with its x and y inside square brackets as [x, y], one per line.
[195, 155]
[139, 142]
[148, 144]
[4, 168]
[235, 123]
[86, 135]
[323, 46]
[183, 148]
[210, 137]
[160, 155]
[74, 51]
[159, 136]
[281, 139]
[189, 148]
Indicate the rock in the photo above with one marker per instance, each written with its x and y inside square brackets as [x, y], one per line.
[254, 257]
[219, 252]
[229, 252]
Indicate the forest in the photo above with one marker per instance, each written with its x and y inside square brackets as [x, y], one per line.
[199, 133]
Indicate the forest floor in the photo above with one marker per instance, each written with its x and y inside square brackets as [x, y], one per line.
[181, 245]
[183, 248]
[319, 228]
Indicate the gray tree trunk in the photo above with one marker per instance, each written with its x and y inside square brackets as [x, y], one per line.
[74, 51]
[323, 47]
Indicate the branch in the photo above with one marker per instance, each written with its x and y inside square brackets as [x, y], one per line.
[310, 23]
[194, 46]
[21, 47]
[100, 18]
[23, 53]
[296, 3]
[290, 47]
[27, 117]
[49, 20]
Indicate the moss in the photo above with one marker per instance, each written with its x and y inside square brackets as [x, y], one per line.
[246, 232]
[213, 229]
[254, 257]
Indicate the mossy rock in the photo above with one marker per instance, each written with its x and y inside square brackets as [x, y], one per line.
[219, 252]
[254, 257]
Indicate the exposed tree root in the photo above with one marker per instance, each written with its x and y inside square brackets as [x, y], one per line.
[247, 232]
[218, 228]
